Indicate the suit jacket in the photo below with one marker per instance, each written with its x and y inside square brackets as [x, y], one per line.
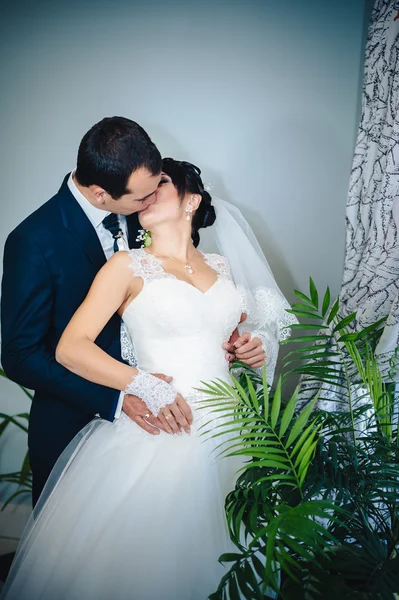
[50, 261]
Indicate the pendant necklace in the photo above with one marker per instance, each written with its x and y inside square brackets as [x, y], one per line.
[187, 266]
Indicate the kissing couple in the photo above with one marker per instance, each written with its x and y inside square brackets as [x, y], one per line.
[116, 339]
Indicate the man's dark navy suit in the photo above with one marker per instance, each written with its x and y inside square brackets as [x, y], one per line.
[50, 261]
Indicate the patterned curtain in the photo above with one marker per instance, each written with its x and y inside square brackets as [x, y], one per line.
[371, 276]
[370, 285]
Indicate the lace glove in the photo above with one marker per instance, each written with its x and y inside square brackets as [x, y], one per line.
[153, 391]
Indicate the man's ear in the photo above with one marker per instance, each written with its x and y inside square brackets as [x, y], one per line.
[99, 193]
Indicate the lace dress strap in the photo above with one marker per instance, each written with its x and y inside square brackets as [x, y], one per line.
[219, 264]
[146, 266]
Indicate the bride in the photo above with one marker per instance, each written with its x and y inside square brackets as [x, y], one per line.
[127, 515]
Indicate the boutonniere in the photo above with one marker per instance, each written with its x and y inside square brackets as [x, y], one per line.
[144, 236]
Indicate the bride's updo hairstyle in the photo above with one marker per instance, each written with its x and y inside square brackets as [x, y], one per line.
[186, 178]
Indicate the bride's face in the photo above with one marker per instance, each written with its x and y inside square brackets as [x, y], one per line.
[167, 208]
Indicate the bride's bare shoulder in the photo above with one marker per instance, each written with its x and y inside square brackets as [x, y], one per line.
[119, 260]
[134, 260]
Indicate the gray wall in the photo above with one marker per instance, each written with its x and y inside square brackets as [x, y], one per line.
[262, 95]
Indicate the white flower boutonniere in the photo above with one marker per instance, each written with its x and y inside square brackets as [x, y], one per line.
[144, 236]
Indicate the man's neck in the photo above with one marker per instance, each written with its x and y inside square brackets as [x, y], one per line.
[85, 191]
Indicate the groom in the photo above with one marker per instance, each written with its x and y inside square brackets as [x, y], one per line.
[50, 261]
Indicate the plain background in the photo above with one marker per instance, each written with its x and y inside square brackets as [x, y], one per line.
[263, 95]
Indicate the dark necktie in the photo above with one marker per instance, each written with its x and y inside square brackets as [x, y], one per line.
[111, 223]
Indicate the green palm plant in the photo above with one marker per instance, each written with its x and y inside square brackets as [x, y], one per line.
[23, 477]
[269, 499]
[314, 511]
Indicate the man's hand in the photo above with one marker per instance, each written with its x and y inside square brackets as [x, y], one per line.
[138, 412]
[244, 349]
[250, 351]
[229, 346]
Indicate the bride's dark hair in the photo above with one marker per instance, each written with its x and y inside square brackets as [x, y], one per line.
[186, 178]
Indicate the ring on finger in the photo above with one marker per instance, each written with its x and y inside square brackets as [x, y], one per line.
[147, 415]
[169, 416]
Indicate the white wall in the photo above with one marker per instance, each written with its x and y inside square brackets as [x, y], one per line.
[262, 95]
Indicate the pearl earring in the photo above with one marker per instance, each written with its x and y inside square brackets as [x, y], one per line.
[189, 211]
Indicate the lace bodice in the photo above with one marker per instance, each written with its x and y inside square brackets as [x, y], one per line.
[177, 329]
[149, 267]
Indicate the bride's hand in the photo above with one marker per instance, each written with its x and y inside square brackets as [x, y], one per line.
[176, 416]
[138, 411]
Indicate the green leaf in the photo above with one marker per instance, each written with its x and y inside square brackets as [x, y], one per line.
[309, 309]
[326, 302]
[265, 395]
[230, 557]
[246, 590]
[272, 464]
[252, 393]
[305, 463]
[307, 338]
[248, 582]
[348, 337]
[307, 326]
[305, 435]
[259, 567]
[241, 392]
[3, 425]
[27, 392]
[344, 322]
[303, 297]
[333, 311]
[313, 293]
[25, 470]
[275, 411]
[301, 422]
[234, 593]
[371, 328]
[261, 454]
[306, 444]
[297, 547]
[13, 419]
[17, 493]
[312, 348]
[288, 412]
[303, 313]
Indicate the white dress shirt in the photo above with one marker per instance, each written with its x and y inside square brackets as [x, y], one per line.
[96, 217]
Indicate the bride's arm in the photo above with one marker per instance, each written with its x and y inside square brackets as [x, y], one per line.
[77, 350]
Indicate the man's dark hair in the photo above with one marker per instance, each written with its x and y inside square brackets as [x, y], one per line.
[111, 151]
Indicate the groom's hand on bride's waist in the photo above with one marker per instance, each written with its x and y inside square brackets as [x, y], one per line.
[171, 419]
[250, 351]
[229, 346]
[245, 348]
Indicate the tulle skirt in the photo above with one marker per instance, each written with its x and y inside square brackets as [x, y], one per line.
[128, 516]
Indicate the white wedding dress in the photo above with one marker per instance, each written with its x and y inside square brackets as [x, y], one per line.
[127, 515]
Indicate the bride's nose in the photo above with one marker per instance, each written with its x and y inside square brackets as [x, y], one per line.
[151, 200]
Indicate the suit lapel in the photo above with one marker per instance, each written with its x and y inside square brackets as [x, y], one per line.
[75, 220]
